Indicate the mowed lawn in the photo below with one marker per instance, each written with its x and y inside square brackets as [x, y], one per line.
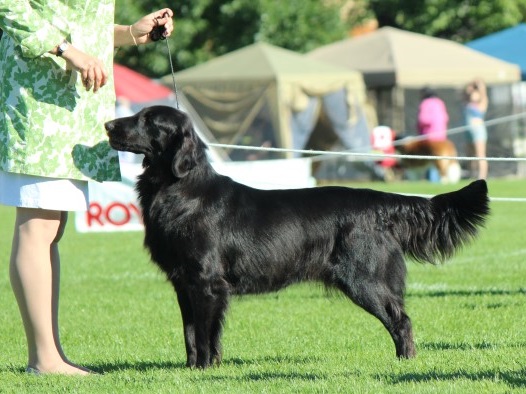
[119, 316]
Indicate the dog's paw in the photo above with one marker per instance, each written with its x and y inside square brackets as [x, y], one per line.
[216, 359]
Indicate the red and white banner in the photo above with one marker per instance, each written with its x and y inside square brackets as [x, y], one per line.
[113, 205]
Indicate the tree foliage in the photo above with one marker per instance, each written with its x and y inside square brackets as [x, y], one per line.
[457, 20]
[300, 25]
[209, 28]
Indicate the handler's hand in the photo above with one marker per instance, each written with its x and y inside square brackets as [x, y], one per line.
[91, 69]
[141, 29]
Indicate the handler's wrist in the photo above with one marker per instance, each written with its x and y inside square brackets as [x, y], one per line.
[130, 29]
[62, 47]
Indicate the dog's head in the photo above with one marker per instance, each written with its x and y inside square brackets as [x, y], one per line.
[163, 134]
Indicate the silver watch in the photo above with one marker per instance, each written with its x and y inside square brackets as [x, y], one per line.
[63, 47]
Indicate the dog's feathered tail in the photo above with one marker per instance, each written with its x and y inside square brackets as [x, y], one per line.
[452, 220]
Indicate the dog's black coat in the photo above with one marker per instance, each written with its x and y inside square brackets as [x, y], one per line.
[214, 237]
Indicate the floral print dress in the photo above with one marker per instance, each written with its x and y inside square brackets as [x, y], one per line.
[49, 125]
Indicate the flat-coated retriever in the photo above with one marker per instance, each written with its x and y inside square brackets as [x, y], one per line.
[214, 237]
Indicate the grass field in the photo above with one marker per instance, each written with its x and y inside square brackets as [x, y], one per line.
[119, 316]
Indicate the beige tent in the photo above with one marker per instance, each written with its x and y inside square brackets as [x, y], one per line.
[266, 95]
[393, 57]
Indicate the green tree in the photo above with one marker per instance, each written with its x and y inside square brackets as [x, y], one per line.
[300, 25]
[456, 20]
[214, 28]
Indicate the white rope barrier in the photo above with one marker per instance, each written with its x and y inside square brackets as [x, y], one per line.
[492, 199]
[354, 153]
[507, 199]
[363, 154]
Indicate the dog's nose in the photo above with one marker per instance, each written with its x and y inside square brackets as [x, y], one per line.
[108, 126]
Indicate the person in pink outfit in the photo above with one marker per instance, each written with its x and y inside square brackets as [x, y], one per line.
[433, 117]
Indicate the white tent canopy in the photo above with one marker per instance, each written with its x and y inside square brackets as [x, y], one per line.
[393, 57]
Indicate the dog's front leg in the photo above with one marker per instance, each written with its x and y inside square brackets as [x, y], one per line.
[211, 301]
[203, 319]
[187, 315]
[221, 291]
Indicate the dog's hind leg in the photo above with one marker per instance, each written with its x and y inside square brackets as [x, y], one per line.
[400, 324]
[380, 292]
[401, 330]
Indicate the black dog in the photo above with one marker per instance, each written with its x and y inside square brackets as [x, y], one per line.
[214, 237]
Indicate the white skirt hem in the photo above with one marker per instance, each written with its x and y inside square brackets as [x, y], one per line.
[28, 191]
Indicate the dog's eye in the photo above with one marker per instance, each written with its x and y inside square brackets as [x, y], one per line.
[146, 118]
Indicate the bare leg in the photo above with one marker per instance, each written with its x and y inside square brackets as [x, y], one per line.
[35, 275]
[480, 151]
[473, 164]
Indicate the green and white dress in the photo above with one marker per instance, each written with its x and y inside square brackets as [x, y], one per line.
[49, 125]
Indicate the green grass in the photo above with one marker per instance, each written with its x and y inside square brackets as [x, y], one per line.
[118, 315]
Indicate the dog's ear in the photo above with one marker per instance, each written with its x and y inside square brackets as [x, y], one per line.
[185, 157]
